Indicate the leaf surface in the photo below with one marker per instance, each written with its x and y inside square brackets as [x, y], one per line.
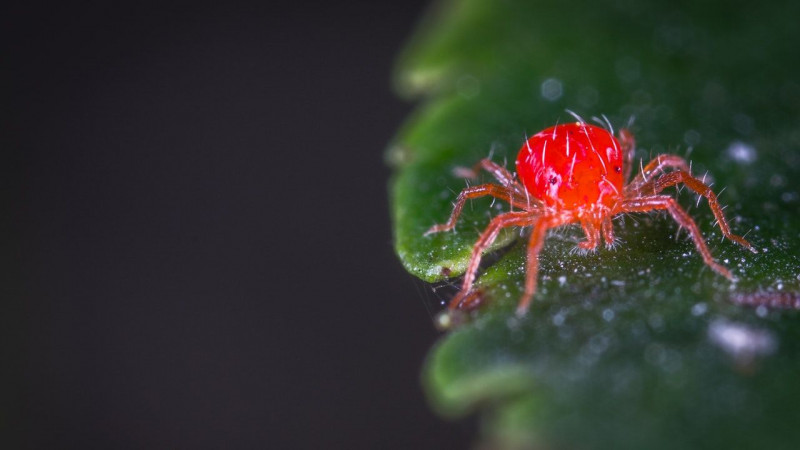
[642, 345]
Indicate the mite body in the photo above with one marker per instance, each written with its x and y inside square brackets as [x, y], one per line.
[576, 173]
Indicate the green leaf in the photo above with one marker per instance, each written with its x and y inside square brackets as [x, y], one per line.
[640, 346]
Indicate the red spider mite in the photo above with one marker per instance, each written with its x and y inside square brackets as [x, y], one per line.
[575, 173]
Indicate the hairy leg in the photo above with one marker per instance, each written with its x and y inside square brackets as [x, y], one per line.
[654, 168]
[668, 203]
[681, 176]
[517, 218]
[502, 174]
[628, 143]
[608, 232]
[592, 236]
[475, 192]
[535, 243]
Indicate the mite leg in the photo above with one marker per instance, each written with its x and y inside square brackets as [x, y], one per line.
[665, 202]
[608, 232]
[475, 192]
[592, 236]
[502, 174]
[520, 218]
[535, 243]
[654, 168]
[628, 143]
[700, 188]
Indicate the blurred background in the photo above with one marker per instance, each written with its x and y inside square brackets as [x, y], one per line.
[197, 248]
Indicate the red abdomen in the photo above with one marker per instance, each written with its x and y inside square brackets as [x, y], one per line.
[572, 166]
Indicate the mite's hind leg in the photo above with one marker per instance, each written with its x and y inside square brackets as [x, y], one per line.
[628, 143]
[644, 179]
[517, 218]
[681, 176]
[680, 215]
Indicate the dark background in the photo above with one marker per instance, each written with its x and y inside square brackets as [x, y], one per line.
[197, 246]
